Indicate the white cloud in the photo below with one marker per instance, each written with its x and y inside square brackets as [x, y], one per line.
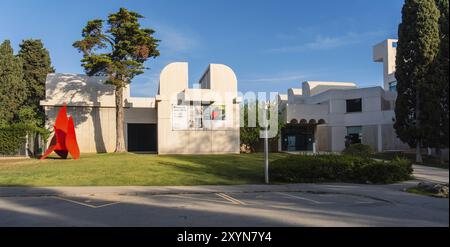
[276, 78]
[321, 43]
[175, 41]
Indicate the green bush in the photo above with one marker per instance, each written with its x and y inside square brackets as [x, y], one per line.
[386, 171]
[358, 149]
[338, 168]
[13, 136]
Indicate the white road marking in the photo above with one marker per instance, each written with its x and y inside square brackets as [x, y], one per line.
[303, 198]
[231, 199]
[84, 204]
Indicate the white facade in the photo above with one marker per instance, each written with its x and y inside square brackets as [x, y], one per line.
[149, 123]
[386, 52]
[323, 116]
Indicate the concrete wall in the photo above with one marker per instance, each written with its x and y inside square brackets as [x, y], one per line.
[174, 91]
[385, 53]
[92, 105]
[95, 127]
[310, 88]
[323, 138]
[390, 140]
[370, 136]
[376, 118]
[78, 90]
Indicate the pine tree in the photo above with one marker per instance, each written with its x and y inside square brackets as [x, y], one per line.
[36, 66]
[417, 50]
[117, 52]
[12, 86]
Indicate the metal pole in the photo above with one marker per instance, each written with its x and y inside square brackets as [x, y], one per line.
[266, 147]
[266, 157]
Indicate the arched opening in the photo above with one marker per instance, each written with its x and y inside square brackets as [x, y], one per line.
[303, 121]
[321, 121]
[294, 121]
[312, 121]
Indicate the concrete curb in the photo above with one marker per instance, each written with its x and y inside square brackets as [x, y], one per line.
[338, 188]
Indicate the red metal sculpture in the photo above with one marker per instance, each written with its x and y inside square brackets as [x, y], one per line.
[64, 141]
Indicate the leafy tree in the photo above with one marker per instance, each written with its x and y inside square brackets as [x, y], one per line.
[12, 86]
[250, 135]
[416, 52]
[117, 52]
[36, 66]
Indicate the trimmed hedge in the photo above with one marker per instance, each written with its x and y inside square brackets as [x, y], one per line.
[338, 168]
[13, 136]
[358, 149]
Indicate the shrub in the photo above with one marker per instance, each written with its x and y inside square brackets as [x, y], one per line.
[338, 168]
[386, 171]
[358, 149]
[13, 136]
[10, 139]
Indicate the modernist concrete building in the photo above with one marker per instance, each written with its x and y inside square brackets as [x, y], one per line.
[325, 116]
[385, 52]
[178, 120]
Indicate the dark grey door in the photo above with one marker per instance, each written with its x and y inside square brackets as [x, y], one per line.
[142, 137]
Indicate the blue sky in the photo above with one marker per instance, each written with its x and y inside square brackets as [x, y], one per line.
[271, 45]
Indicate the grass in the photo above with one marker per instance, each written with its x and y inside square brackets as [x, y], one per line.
[416, 190]
[427, 160]
[135, 169]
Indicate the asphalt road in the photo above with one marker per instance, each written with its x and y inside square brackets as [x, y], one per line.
[296, 205]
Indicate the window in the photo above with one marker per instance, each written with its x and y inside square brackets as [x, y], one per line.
[354, 105]
[393, 86]
[354, 135]
[394, 44]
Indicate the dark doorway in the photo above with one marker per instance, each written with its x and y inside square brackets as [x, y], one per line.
[142, 137]
[297, 137]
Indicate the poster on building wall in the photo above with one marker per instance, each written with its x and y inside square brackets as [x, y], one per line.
[195, 117]
[179, 117]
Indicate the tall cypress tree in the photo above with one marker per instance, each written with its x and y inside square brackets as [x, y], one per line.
[12, 86]
[438, 103]
[417, 50]
[36, 66]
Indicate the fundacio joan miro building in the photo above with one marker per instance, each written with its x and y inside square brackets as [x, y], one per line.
[325, 116]
[178, 120]
[319, 116]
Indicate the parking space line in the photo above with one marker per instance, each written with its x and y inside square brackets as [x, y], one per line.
[84, 204]
[231, 199]
[302, 198]
[197, 199]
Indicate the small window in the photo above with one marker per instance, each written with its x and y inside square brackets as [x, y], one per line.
[393, 86]
[354, 135]
[394, 44]
[354, 105]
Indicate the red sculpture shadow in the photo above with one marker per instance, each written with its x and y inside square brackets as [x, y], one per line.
[64, 141]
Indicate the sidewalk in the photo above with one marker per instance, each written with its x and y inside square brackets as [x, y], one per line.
[430, 174]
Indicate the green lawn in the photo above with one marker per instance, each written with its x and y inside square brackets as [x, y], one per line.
[135, 169]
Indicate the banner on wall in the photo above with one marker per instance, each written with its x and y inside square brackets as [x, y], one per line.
[179, 117]
[195, 117]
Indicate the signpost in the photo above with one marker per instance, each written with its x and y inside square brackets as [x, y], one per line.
[266, 144]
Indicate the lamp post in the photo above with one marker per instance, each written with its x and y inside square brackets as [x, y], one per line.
[266, 144]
